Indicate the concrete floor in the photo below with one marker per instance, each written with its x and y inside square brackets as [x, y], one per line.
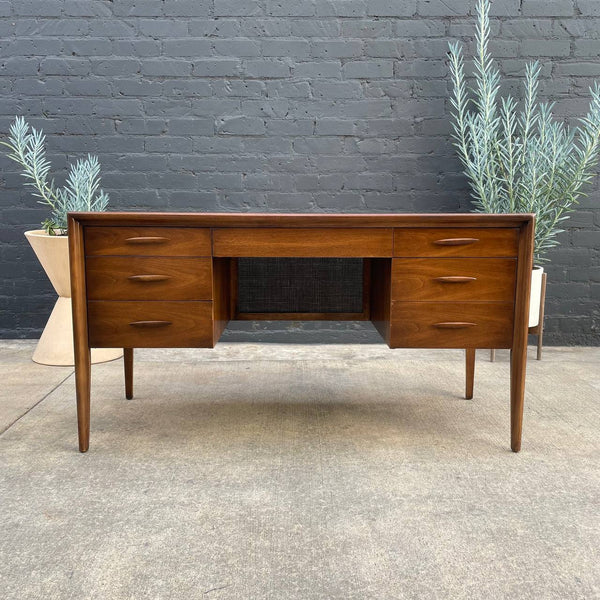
[300, 472]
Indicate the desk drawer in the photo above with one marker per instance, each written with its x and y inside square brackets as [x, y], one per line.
[451, 325]
[456, 241]
[148, 278]
[452, 279]
[147, 241]
[150, 324]
[299, 242]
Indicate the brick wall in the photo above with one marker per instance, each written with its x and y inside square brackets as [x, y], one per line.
[276, 105]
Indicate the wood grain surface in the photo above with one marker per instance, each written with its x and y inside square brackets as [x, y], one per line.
[294, 220]
[302, 242]
[147, 241]
[460, 241]
[518, 355]
[452, 279]
[380, 293]
[453, 283]
[221, 291]
[150, 324]
[148, 278]
[451, 325]
[81, 342]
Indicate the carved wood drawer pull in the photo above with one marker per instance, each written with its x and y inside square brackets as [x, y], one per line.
[145, 278]
[456, 241]
[150, 324]
[454, 325]
[147, 240]
[455, 279]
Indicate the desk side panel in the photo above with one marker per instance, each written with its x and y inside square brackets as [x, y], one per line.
[221, 296]
[380, 296]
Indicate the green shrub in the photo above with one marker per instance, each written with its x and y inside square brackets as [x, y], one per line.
[81, 191]
[519, 160]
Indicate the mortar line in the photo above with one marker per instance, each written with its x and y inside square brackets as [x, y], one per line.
[38, 402]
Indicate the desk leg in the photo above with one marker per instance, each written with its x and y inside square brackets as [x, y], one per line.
[128, 366]
[81, 346]
[518, 352]
[518, 360]
[83, 368]
[470, 360]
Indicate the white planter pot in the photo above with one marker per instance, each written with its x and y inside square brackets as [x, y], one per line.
[536, 295]
[56, 343]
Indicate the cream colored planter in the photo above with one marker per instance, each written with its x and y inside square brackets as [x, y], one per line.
[56, 344]
[535, 296]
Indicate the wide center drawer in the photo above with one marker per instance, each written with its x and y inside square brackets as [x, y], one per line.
[150, 324]
[301, 242]
[147, 241]
[451, 279]
[451, 325]
[148, 278]
[456, 241]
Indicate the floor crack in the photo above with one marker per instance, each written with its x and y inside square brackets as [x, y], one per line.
[2, 431]
[216, 588]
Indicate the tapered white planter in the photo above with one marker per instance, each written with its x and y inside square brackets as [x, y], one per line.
[536, 296]
[56, 343]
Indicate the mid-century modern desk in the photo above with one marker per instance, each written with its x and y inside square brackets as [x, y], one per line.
[175, 279]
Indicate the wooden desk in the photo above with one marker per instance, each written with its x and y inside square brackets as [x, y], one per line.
[170, 280]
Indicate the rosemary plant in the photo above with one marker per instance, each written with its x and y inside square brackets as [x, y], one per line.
[81, 192]
[518, 158]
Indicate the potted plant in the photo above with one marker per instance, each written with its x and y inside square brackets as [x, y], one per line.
[81, 192]
[517, 157]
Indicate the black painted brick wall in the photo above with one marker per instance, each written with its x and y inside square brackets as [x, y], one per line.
[276, 105]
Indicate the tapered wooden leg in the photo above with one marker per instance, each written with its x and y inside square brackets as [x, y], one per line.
[83, 368]
[492, 355]
[518, 352]
[470, 361]
[81, 346]
[518, 361]
[128, 365]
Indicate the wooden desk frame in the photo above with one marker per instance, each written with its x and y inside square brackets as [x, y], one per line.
[415, 262]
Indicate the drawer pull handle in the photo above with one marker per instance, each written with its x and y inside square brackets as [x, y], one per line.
[144, 278]
[454, 325]
[455, 279]
[456, 241]
[147, 240]
[150, 324]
